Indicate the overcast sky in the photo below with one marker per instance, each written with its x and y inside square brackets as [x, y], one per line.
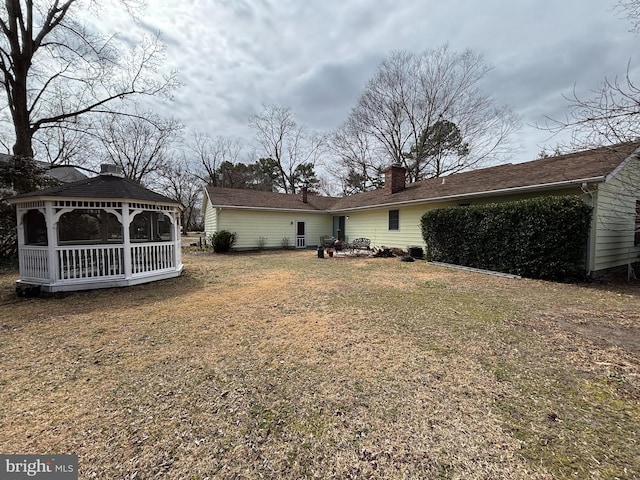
[315, 56]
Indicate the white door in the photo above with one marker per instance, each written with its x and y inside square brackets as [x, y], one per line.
[301, 235]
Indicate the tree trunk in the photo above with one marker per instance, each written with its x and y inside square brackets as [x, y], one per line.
[19, 108]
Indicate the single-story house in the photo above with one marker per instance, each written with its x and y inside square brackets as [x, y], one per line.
[607, 178]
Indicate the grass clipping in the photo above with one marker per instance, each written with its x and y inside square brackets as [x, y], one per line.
[283, 365]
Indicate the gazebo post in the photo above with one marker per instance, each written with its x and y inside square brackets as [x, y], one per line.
[177, 241]
[52, 243]
[126, 240]
[20, 226]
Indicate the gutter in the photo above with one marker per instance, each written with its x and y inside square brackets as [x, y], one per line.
[270, 209]
[487, 193]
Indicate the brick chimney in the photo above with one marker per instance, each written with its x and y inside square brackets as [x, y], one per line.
[304, 194]
[394, 179]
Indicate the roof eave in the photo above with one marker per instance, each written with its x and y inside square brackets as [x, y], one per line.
[487, 193]
[270, 209]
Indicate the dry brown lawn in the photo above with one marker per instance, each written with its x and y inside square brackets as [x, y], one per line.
[283, 365]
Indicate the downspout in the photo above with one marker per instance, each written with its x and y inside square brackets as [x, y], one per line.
[585, 189]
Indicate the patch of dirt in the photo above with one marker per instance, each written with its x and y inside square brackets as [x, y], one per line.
[627, 338]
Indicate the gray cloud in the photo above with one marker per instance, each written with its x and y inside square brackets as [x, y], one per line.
[316, 56]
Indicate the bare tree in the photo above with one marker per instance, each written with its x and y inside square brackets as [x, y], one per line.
[630, 9]
[55, 69]
[211, 153]
[359, 166]
[66, 146]
[288, 144]
[410, 93]
[139, 143]
[181, 183]
[609, 116]
[611, 113]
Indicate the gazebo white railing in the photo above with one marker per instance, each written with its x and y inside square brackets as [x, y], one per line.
[34, 264]
[75, 263]
[95, 262]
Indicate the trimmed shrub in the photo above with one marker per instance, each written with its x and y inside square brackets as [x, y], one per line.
[223, 241]
[542, 237]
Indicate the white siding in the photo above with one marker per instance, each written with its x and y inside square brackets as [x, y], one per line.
[210, 217]
[273, 227]
[374, 225]
[615, 218]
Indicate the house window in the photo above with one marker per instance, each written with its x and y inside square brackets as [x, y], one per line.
[394, 219]
[636, 238]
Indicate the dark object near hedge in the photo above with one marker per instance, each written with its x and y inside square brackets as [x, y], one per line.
[542, 237]
[223, 241]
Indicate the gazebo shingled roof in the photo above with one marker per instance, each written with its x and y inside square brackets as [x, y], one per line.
[101, 186]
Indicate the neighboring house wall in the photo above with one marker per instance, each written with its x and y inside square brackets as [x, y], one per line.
[273, 227]
[615, 218]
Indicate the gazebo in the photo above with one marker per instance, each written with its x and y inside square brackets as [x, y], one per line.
[101, 232]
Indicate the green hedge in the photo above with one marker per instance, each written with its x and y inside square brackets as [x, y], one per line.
[542, 237]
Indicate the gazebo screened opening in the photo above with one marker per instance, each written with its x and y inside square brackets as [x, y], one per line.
[87, 226]
[35, 228]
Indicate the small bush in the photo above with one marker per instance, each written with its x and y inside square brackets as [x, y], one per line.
[285, 243]
[261, 243]
[223, 241]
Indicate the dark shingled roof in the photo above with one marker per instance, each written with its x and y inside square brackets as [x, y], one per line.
[61, 173]
[543, 173]
[235, 197]
[104, 187]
